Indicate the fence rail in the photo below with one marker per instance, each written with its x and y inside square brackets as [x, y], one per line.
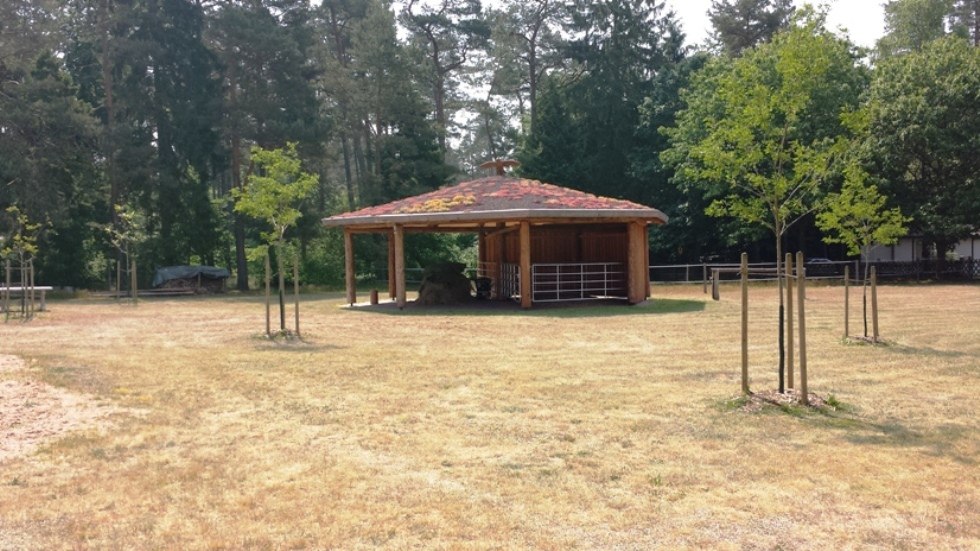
[963, 269]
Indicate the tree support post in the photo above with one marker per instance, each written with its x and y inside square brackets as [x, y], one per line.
[6, 290]
[296, 290]
[745, 323]
[847, 299]
[801, 308]
[874, 304]
[268, 284]
[789, 320]
[132, 282]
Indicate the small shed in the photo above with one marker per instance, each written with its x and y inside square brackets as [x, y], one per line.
[538, 242]
[200, 279]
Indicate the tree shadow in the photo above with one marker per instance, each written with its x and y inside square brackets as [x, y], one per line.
[582, 309]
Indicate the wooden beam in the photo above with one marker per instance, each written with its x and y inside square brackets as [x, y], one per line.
[392, 288]
[399, 236]
[525, 268]
[502, 231]
[635, 259]
[349, 267]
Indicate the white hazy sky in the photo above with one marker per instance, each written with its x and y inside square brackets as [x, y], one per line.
[864, 20]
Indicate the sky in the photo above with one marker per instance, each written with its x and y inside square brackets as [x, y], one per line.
[863, 19]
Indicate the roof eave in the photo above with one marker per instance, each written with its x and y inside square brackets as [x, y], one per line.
[648, 214]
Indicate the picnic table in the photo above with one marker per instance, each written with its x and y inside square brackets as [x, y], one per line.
[39, 290]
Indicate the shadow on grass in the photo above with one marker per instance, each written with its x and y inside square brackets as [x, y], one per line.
[939, 442]
[928, 351]
[585, 309]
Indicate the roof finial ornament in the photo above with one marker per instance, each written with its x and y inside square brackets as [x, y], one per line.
[500, 164]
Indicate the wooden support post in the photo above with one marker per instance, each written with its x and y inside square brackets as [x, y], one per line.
[481, 250]
[874, 304]
[715, 276]
[392, 288]
[704, 278]
[399, 235]
[789, 320]
[525, 267]
[801, 308]
[349, 276]
[646, 263]
[745, 322]
[118, 279]
[636, 259]
[268, 284]
[296, 290]
[133, 285]
[847, 299]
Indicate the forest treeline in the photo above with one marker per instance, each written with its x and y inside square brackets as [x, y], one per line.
[142, 115]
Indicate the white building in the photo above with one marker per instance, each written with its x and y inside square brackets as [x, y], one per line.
[910, 249]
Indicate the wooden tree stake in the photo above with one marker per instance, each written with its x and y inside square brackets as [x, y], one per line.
[29, 290]
[801, 308]
[847, 300]
[296, 289]
[874, 304]
[789, 320]
[6, 290]
[268, 283]
[132, 282]
[745, 323]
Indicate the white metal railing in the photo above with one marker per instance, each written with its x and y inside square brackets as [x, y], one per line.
[510, 284]
[577, 281]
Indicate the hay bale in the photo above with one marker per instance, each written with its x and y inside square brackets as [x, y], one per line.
[444, 284]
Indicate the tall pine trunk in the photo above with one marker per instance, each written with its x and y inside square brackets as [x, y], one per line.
[241, 261]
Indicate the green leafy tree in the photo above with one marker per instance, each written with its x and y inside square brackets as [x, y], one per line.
[965, 20]
[924, 137]
[585, 134]
[266, 49]
[762, 136]
[20, 240]
[741, 24]
[127, 233]
[858, 219]
[911, 24]
[273, 194]
[448, 33]
[527, 44]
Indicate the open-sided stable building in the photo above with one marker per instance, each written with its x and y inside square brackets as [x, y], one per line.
[537, 242]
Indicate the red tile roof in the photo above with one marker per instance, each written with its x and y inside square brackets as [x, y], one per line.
[493, 195]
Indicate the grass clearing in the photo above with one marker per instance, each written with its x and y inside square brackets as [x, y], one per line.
[591, 427]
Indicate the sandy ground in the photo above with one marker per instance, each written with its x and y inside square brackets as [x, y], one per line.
[32, 412]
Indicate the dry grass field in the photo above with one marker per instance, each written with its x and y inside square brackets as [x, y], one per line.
[607, 427]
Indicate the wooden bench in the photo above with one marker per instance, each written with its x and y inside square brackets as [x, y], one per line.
[39, 290]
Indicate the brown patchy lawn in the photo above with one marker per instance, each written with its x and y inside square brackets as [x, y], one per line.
[590, 428]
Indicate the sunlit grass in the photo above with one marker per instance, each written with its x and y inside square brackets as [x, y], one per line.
[604, 426]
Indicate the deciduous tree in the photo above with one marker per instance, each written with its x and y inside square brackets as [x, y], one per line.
[769, 122]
